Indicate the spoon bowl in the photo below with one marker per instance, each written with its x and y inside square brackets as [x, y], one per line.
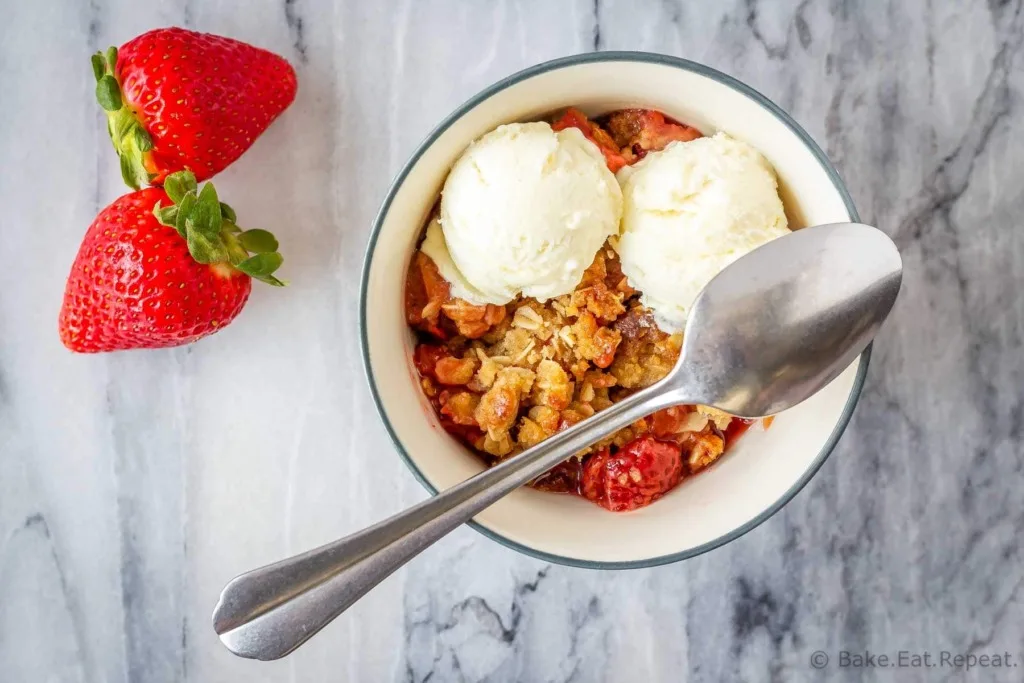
[765, 334]
[769, 333]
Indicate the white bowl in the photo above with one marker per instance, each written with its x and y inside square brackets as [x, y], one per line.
[760, 473]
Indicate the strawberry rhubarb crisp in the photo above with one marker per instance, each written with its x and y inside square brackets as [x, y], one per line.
[529, 314]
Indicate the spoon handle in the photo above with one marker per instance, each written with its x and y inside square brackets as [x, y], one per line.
[268, 612]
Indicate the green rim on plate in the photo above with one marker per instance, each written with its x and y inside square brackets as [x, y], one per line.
[650, 58]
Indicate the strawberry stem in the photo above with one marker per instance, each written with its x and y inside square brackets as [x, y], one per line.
[208, 226]
[131, 141]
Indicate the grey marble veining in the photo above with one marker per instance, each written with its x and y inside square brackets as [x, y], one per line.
[132, 486]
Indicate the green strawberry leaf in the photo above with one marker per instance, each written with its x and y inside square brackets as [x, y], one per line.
[174, 186]
[108, 93]
[271, 280]
[122, 124]
[167, 215]
[208, 226]
[236, 252]
[206, 215]
[99, 67]
[258, 241]
[128, 173]
[206, 250]
[187, 179]
[131, 140]
[185, 208]
[261, 265]
[142, 139]
[228, 213]
[133, 172]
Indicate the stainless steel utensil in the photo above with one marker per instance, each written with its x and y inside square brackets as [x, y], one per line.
[768, 332]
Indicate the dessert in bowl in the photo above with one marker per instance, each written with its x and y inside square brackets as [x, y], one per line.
[542, 287]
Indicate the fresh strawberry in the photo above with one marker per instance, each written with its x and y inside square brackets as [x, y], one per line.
[177, 99]
[634, 476]
[162, 267]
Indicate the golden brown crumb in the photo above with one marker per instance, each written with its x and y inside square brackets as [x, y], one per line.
[553, 387]
[719, 417]
[501, 445]
[595, 343]
[704, 448]
[455, 371]
[498, 408]
[461, 407]
[522, 372]
[530, 433]
[546, 418]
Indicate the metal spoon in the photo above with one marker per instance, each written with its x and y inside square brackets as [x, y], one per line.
[768, 332]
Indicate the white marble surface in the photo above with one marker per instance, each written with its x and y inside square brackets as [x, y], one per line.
[133, 485]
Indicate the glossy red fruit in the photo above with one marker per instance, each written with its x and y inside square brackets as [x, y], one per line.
[161, 268]
[177, 99]
[646, 130]
[634, 476]
[574, 118]
[425, 359]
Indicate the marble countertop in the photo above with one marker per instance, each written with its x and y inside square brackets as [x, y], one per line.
[134, 485]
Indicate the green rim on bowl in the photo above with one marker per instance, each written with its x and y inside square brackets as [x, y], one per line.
[651, 58]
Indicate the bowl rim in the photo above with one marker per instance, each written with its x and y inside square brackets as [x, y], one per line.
[490, 91]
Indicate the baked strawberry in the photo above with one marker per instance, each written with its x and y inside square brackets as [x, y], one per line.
[574, 118]
[162, 267]
[425, 358]
[639, 131]
[176, 99]
[634, 476]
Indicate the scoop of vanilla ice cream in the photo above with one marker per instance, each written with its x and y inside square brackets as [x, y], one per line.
[435, 247]
[688, 212]
[524, 210]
